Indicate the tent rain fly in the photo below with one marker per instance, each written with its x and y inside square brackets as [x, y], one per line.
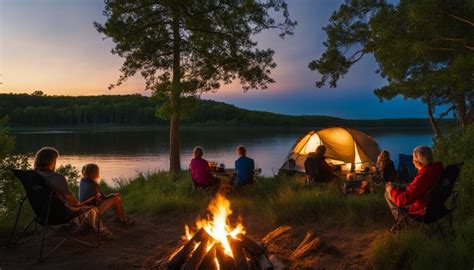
[351, 148]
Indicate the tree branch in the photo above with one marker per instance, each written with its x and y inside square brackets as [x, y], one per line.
[462, 19]
[354, 58]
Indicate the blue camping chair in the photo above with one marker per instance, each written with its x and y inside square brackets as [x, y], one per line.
[406, 170]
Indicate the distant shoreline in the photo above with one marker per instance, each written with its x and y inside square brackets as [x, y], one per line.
[31, 112]
[26, 129]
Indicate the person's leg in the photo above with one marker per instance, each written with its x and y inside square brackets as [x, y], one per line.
[116, 202]
[394, 209]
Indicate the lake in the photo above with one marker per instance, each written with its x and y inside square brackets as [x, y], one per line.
[122, 152]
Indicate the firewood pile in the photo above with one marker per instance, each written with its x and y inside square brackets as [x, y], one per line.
[204, 252]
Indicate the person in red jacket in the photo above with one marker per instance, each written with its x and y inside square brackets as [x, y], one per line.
[415, 197]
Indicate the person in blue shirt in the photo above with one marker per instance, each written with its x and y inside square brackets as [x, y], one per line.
[244, 168]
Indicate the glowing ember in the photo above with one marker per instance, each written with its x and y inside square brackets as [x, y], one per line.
[217, 244]
[217, 225]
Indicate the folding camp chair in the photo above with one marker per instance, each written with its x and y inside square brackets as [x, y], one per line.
[49, 211]
[406, 170]
[436, 209]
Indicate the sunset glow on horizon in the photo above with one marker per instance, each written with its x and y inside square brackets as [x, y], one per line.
[52, 46]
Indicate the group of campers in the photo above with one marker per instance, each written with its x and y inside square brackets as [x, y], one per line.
[91, 196]
[413, 199]
[201, 173]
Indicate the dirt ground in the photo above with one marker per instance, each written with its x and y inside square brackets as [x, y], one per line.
[150, 240]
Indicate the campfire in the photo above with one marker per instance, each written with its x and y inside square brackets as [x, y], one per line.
[217, 244]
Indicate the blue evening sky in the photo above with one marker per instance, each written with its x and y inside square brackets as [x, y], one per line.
[51, 45]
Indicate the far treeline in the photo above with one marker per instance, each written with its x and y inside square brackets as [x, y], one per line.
[39, 110]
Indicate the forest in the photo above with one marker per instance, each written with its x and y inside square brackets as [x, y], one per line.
[38, 110]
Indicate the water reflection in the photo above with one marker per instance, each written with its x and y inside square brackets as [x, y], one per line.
[123, 152]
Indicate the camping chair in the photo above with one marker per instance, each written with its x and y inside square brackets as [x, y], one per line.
[49, 211]
[406, 170]
[436, 209]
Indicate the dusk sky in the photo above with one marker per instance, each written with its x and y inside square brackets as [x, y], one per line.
[51, 45]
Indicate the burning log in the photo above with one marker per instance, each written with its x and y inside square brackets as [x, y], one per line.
[209, 260]
[219, 245]
[252, 247]
[225, 262]
[198, 255]
[239, 254]
[179, 258]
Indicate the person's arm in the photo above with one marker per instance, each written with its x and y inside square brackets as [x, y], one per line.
[326, 166]
[412, 193]
[71, 200]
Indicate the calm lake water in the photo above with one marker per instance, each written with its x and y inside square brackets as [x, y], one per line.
[124, 152]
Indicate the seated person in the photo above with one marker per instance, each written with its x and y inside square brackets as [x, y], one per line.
[385, 167]
[415, 197]
[244, 168]
[200, 170]
[316, 167]
[89, 188]
[45, 165]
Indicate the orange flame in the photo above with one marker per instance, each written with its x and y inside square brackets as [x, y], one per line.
[218, 225]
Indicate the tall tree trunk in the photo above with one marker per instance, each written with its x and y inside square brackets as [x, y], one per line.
[175, 163]
[434, 124]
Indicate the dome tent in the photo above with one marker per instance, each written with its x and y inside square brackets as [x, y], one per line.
[348, 147]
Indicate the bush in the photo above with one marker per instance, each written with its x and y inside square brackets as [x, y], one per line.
[459, 147]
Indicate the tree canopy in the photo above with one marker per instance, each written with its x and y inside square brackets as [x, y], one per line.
[185, 47]
[424, 48]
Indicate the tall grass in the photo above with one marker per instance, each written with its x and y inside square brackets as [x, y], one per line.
[277, 199]
[160, 193]
[417, 250]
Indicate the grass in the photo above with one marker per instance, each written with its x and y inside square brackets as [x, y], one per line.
[280, 200]
[286, 200]
[417, 250]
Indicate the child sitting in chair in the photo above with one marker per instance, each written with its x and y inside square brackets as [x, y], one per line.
[89, 187]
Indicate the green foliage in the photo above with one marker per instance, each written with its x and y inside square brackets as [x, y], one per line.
[10, 187]
[34, 110]
[424, 49]
[459, 147]
[417, 250]
[6, 141]
[131, 110]
[71, 174]
[183, 48]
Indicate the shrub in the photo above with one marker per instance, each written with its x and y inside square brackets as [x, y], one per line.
[459, 147]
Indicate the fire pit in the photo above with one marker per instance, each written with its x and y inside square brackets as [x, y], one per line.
[218, 245]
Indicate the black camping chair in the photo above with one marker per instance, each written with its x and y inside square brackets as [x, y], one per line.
[49, 211]
[406, 170]
[436, 209]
